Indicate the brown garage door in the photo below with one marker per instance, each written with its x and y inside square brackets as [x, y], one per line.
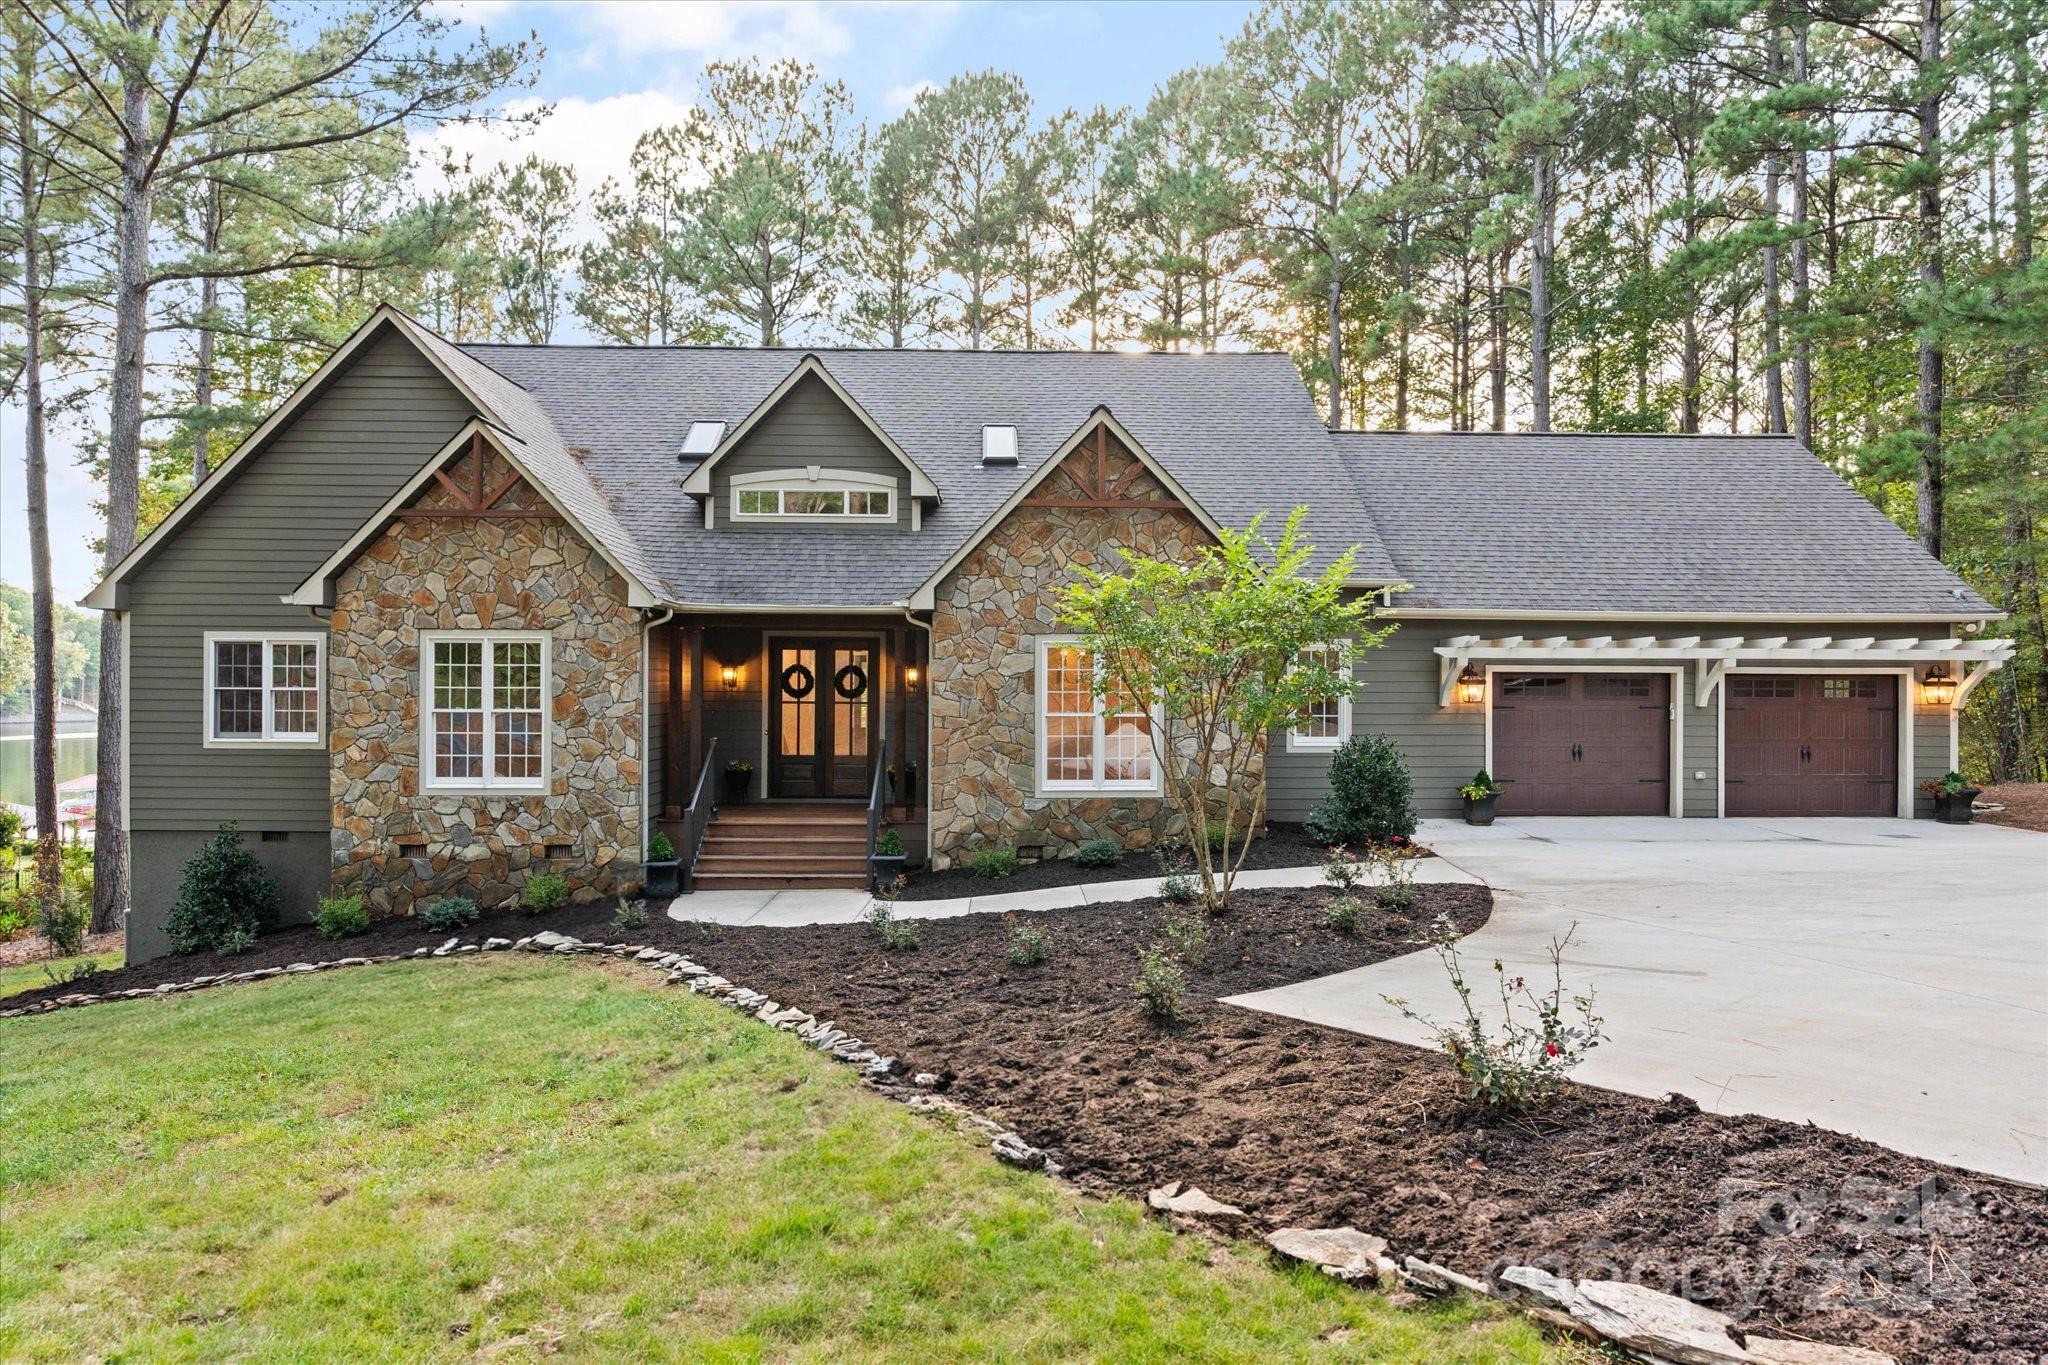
[1582, 743]
[1810, 744]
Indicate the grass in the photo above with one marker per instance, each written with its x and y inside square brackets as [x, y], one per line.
[33, 975]
[517, 1157]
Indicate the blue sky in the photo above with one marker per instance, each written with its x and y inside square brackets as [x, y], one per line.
[615, 68]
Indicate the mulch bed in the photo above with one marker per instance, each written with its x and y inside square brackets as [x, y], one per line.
[35, 948]
[2026, 805]
[1794, 1230]
[1284, 845]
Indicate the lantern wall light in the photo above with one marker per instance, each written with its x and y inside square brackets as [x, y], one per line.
[910, 676]
[729, 674]
[1939, 686]
[1471, 686]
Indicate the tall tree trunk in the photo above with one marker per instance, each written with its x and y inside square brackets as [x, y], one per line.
[42, 610]
[2023, 598]
[1930, 496]
[1542, 236]
[202, 369]
[1802, 279]
[1332, 309]
[124, 472]
[1497, 368]
[1774, 366]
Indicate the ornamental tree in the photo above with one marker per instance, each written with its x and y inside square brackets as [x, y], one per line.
[1231, 644]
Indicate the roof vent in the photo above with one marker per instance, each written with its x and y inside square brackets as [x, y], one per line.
[703, 438]
[999, 445]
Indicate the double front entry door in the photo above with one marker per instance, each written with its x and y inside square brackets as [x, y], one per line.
[822, 709]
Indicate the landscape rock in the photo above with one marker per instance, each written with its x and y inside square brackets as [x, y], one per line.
[1177, 1197]
[1012, 1150]
[1343, 1253]
[1525, 1283]
[496, 945]
[1660, 1324]
[548, 938]
[1435, 1279]
[1773, 1351]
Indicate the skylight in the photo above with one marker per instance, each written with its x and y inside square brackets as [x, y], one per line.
[999, 445]
[703, 438]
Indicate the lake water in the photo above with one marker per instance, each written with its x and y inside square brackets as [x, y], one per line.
[77, 755]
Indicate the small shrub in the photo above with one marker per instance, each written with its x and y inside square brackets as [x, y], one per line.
[994, 864]
[235, 942]
[1177, 884]
[1524, 1066]
[1097, 853]
[549, 891]
[341, 917]
[224, 891]
[1346, 871]
[12, 822]
[889, 844]
[1029, 944]
[1396, 889]
[71, 973]
[896, 934]
[1159, 985]
[1345, 914]
[631, 914]
[661, 848]
[1187, 938]
[1480, 787]
[450, 913]
[1371, 798]
[64, 925]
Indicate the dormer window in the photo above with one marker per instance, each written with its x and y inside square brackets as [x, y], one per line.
[703, 438]
[813, 494]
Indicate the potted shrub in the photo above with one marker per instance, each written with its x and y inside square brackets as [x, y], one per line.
[1954, 798]
[1480, 794]
[739, 782]
[661, 865]
[889, 856]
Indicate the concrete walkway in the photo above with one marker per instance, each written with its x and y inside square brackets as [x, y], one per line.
[848, 907]
[1884, 978]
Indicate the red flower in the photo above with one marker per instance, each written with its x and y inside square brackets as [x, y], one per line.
[1551, 1049]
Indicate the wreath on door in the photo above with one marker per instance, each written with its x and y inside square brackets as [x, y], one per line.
[850, 682]
[797, 681]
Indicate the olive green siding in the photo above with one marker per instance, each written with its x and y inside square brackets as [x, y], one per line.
[810, 426]
[1445, 745]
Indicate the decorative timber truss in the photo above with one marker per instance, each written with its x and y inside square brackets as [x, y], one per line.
[483, 484]
[1100, 472]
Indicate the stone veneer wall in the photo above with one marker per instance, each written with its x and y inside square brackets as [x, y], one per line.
[468, 574]
[984, 719]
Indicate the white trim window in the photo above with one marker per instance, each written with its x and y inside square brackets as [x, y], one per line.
[813, 494]
[1327, 724]
[1087, 742]
[263, 689]
[484, 721]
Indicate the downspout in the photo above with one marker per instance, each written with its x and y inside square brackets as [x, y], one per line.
[930, 788]
[648, 623]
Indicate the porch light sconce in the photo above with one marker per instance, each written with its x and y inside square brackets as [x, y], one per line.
[1938, 688]
[910, 676]
[729, 675]
[1471, 686]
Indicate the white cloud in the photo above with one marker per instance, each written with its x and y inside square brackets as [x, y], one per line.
[901, 97]
[809, 30]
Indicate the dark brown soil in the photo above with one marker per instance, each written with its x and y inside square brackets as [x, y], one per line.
[1284, 845]
[2026, 805]
[1794, 1230]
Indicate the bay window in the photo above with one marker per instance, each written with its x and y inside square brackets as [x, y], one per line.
[263, 689]
[1088, 742]
[484, 713]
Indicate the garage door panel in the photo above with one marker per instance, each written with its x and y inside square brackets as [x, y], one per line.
[1582, 743]
[1812, 744]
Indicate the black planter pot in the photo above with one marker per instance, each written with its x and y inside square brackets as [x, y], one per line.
[738, 786]
[662, 877]
[1956, 809]
[888, 866]
[1479, 809]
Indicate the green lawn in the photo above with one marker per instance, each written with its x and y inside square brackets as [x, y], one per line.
[31, 975]
[520, 1156]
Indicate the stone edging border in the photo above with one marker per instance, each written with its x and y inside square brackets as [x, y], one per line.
[1642, 1322]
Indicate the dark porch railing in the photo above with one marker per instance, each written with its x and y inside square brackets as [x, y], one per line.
[878, 803]
[697, 818]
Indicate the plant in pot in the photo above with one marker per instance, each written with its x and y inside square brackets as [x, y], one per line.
[662, 866]
[1480, 794]
[739, 782]
[1954, 798]
[889, 856]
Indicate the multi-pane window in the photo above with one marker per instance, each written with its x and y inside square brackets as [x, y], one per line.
[1324, 724]
[794, 493]
[1088, 742]
[263, 689]
[1845, 689]
[486, 720]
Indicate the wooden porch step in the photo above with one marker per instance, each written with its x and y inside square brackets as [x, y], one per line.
[854, 844]
[783, 881]
[780, 817]
[719, 860]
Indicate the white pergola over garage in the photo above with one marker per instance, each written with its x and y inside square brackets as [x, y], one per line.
[1974, 660]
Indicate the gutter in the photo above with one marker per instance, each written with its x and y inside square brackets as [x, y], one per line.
[648, 621]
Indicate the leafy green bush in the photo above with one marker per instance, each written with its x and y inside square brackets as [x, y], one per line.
[1179, 888]
[1159, 985]
[889, 844]
[341, 917]
[1371, 798]
[896, 934]
[1029, 944]
[235, 942]
[661, 848]
[631, 914]
[1346, 871]
[1396, 875]
[450, 913]
[1187, 938]
[548, 891]
[1345, 914]
[1480, 787]
[1097, 853]
[994, 864]
[65, 923]
[224, 892]
[11, 825]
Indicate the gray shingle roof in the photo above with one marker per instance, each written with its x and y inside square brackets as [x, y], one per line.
[1710, 524]
[1239, 432]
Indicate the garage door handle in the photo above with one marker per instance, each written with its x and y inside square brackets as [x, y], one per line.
[1577, 753]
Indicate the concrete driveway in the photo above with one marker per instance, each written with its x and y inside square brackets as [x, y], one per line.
[1885, 978]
